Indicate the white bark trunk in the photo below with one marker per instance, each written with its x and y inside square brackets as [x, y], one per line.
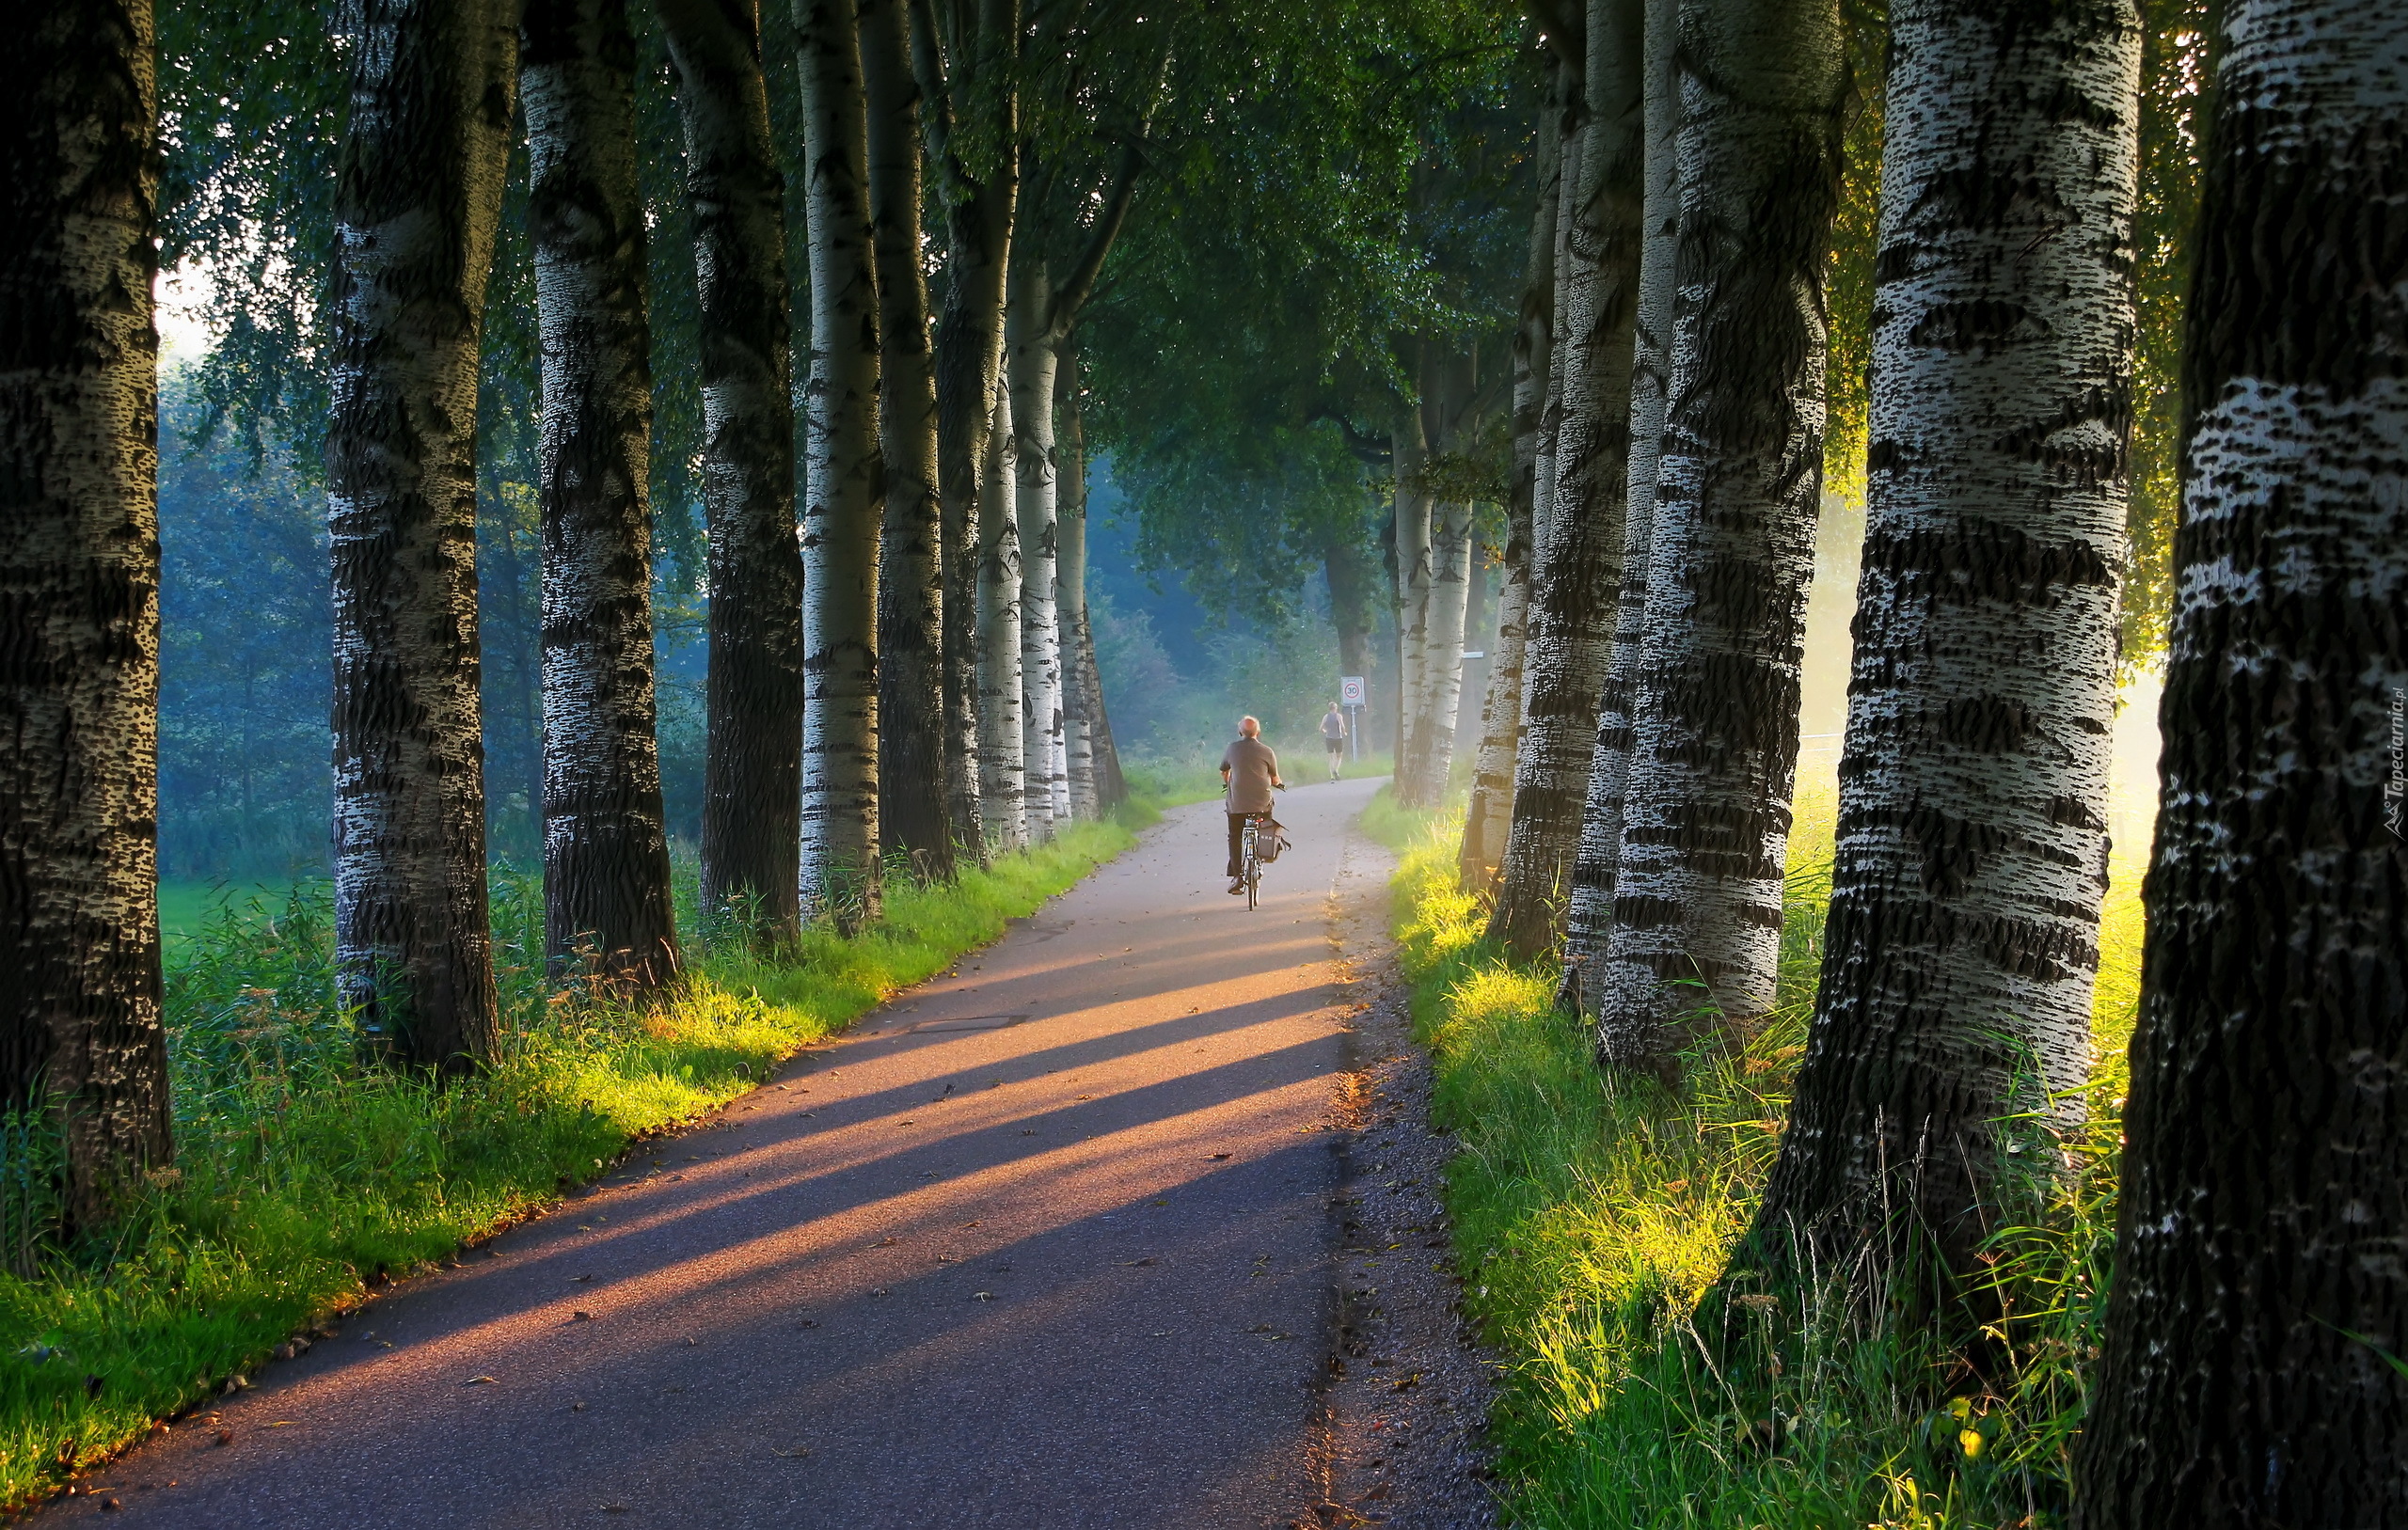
[1579, 572]
[1441, 654]
[1001, 772]
[1964, 931]
[840, 838]
[1589, 921]
[1030, 361]
[1698, 891]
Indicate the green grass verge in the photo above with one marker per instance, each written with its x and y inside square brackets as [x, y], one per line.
[302, 1176]
[1591, 1216]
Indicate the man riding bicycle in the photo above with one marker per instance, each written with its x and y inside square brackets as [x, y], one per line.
[1248, 772]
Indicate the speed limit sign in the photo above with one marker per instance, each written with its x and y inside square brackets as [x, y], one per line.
[1350, 690]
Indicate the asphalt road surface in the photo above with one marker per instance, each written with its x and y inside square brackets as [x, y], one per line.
[1046, 1242]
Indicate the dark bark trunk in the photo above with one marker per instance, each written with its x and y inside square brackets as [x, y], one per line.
[416, 207]
[2251, 1375]
[1697, 906]
[80, 1032]
[1953, 1014]
[606, 839]
[1350, 599]
[1096, 784]
[912, 802]
[1579, 565]
[845, 480]
[980, 204]
[753, 762]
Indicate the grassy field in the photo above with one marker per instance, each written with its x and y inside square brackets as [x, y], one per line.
[304, 1177]
[1590, 1216]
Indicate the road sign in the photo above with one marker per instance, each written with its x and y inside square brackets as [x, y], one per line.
[1350, 690]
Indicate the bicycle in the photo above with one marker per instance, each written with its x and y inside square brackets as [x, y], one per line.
[1261, 833]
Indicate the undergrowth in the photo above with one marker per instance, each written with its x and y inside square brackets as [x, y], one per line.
[305, 1176]
[1591, 1214]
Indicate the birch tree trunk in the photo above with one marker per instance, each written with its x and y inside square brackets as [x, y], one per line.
[752, 756]
[2260, 1299]
[1002, 773]
[1442, 659]
[1489, 817]
[1964, 931]
[606, 835]
[1029, 339]
[1572, 596]
[1697, 891]
[1082, 694]
[840, 535]
[80, 1028]
[1410, 519]
[1588, 918]
[415, 208]
[914, 813]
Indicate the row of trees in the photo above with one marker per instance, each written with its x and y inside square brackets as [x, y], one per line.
[1671, 404]
[475, 277]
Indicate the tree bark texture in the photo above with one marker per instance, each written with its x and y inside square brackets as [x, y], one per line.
[841, 518]
[1002, 772]
[1489, 817]
[913, 814]
[80, 1025]
[1096, 786]
[2250, 1373]
[1442, 655]
[606, 836]
[1964, 931]
[1697, 904]
[980, 204]
[1030, 360]
[417, 204]
[1573, 141]
[1410, 523]
[752, 756]
[1588, 921]
[1579, 572]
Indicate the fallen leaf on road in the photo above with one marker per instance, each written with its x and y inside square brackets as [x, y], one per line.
[1218, 1157]
[797, 1453]
[480, 1380]
[982, 1296]
[580, 1315]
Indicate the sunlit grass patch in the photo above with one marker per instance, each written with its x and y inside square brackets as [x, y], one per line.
[1592, 1215]
[304, 1175]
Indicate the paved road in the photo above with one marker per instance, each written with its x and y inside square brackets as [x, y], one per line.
[1043, 1243]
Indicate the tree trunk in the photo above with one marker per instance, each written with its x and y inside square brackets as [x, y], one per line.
[913, 814]
[1030, 341]
[1697, 906]
[1571, 595]
[1003, 776]
[1490, 816]
[416, 209]
[1964, 931]
[80, 1032]
[752, 756]
[840, 535]
[1411, 520]
[1587, 922]
[606, 836]
[979, 211]
[2251, 1372]
[1082, 711]
[1442, 655]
